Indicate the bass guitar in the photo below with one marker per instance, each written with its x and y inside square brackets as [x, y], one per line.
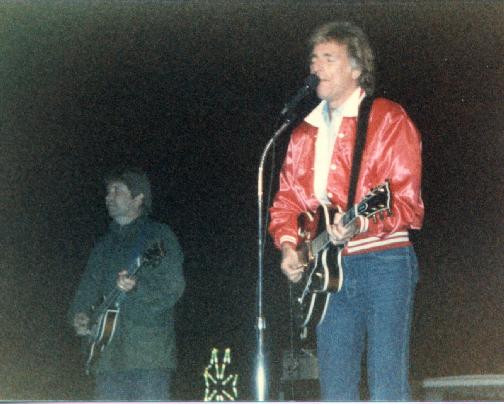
[323, 272]
[103, 319]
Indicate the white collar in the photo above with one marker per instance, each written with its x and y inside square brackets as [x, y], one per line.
[349, 109]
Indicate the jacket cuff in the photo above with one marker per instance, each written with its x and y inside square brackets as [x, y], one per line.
[363, 224]
[288, 239]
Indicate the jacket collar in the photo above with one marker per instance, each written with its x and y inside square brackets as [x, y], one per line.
[349, 109]
[128, 228]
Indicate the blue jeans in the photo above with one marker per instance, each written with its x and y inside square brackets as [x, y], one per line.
[133, 385]
[373, 310]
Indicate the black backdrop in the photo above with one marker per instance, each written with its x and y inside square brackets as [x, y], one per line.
[191, 92]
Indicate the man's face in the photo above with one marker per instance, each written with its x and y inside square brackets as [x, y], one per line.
[120, 204]
[338, 80]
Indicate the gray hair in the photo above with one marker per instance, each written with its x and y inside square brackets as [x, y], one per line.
[358, 47]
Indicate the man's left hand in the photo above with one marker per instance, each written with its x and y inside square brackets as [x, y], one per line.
[339, 233]
[125, 282]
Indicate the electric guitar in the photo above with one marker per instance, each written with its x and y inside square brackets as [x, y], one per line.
[323, 272]
[103, 319]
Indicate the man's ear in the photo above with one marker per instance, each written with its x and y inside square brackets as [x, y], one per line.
[356, 73]
[138, 200]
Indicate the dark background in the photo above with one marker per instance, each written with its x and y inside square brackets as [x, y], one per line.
[191, 92]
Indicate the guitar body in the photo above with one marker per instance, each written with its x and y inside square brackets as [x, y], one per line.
[311, 310]
[323, 273]
[104, 318]
[101, 335]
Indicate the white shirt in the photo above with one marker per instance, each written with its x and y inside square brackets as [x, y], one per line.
[327, 135]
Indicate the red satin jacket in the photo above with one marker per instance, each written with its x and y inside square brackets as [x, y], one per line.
[393, 151]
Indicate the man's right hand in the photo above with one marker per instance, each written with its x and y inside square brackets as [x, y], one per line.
[81, 324]
[291, 265]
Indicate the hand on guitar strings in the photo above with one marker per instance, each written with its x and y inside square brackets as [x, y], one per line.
[81, 324]
[339, 233]
[291, 265]
[125, 282]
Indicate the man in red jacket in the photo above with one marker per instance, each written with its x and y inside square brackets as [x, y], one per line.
[372, 311]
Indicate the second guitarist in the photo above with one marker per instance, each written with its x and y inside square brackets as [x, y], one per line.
[137, 362]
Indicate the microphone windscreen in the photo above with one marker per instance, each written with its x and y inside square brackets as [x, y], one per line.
[312, 81]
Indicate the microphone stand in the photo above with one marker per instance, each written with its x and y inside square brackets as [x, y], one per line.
[261, 371]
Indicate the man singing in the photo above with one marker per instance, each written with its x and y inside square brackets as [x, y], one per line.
[372, 311]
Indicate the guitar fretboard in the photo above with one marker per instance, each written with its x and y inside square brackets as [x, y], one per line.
[111, 299]
[374, 202]
[322, 239]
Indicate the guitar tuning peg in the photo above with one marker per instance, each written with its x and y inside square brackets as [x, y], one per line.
[382, 216]
[374, 220]
[389, 212]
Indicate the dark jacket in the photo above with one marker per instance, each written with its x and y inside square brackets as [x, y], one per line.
[145, 334]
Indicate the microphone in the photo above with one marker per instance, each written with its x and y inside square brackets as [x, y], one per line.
[310, 83]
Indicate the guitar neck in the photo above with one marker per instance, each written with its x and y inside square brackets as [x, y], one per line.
[112, 297]
[350, 216]
[319, 242]
[150, 257]
[376, 201]
[106, 304]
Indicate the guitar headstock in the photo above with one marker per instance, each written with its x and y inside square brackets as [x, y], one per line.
[154, 254]
[377, 201]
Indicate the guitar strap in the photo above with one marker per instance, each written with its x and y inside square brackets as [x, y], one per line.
[135, 254]
[360, 142]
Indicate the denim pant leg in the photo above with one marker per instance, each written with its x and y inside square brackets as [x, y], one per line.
[340, 340]
[376, 300]
[392, 280]
[111, 386]
[134, 385]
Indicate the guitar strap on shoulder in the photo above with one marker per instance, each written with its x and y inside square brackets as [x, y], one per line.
[136, 253]
[360, 142]
[146, 233]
